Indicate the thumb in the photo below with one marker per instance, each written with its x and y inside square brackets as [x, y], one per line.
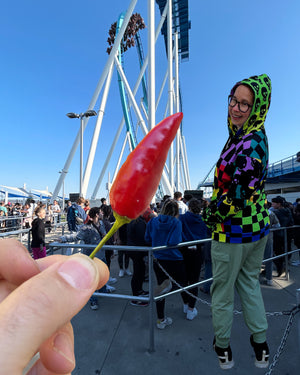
[43, 304]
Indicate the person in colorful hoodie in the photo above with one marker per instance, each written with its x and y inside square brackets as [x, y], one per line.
[239, 220]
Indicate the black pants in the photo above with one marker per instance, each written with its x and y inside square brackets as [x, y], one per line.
[278, 249]
[121, 254]
[176, 269]
[139, 268]
[108, 255]
[193, 260]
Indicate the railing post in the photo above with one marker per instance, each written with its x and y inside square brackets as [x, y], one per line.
[286, 255]
[151, 301]
[298, 304]
[28, 240]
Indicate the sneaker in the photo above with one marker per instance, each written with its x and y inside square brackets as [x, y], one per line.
[161, 324]
[110, 288]
[225, 356]
[94, 305]
[139, 303]
[261, 353]
[121, 273]
[112, 280]
[269, 282]
[163, 288]
[128, 272]
[191, 314]
[144, 293]
[185, 308]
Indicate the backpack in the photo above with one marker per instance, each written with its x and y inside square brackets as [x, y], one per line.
[74, 215]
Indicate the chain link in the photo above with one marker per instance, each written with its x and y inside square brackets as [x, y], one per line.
[291, 313]
[236, 312]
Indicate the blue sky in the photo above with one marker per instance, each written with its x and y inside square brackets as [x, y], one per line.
[53, 54]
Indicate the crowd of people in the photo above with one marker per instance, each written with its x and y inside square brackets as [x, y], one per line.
[237, 220]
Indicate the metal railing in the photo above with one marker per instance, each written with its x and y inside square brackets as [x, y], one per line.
[284, 166]
[56, 246]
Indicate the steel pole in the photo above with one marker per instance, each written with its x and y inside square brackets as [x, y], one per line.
[298, 304]
[151, 302]
[81, 156]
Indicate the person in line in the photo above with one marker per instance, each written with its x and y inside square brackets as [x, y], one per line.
[109, 253]
[76, 215]
[56, 212]
[136, 237]
[193, 228]
[123, 255]
[239, 219]
[297, 231]
[182, 206]
[91, 234]
[268, 271]
[49, 218]
[38, 245]
[166, 230]
[285, 218]
[67, 283]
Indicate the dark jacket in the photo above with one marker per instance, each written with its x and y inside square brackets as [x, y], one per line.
[136, 232]
[193, 227]
[38, 232]
[164, 230]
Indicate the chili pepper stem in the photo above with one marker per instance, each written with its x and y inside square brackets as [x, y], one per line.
[120, 220]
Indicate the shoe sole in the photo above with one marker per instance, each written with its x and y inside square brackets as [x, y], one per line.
[226, 366]
[261, 365]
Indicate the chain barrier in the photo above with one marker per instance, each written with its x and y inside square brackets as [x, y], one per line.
[292, 314]
[236, 312]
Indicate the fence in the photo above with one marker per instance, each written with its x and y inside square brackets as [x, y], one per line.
[24, 235]
[56, 246]
[152, 298]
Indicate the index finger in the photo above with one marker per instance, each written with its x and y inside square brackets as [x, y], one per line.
[16, 264]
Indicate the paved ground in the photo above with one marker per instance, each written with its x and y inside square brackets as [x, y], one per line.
[115, 339]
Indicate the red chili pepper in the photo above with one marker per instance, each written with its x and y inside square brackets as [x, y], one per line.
[138, 178]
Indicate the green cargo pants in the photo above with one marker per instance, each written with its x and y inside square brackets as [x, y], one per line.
[237, 265]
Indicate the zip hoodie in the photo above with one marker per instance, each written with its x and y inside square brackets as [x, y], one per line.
[164, 230]
[238, 213]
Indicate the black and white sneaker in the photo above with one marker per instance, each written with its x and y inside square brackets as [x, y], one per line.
[225, 356]
[94, 305]
[261, 353]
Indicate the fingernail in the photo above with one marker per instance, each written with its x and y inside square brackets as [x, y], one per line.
[79, 271]
[62, 344]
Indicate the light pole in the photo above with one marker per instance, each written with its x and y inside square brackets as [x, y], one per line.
[88, 113]
[63, 194]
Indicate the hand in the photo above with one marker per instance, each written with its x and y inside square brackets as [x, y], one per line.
[37, 301]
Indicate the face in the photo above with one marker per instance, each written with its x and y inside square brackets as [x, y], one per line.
[42, 214]
[242, 94]
[275, 205]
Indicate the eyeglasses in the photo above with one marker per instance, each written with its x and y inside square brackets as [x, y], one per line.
[243, 107]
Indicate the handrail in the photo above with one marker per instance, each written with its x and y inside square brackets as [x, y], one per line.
[152, 299]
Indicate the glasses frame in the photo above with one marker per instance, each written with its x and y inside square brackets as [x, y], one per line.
[230, 97]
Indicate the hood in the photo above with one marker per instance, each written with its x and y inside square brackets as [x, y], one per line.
[164, 221]
[261, 87]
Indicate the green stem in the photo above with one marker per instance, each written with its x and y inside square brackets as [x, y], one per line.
[120, 220]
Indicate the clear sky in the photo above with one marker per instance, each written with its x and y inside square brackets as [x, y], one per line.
[53, 54]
